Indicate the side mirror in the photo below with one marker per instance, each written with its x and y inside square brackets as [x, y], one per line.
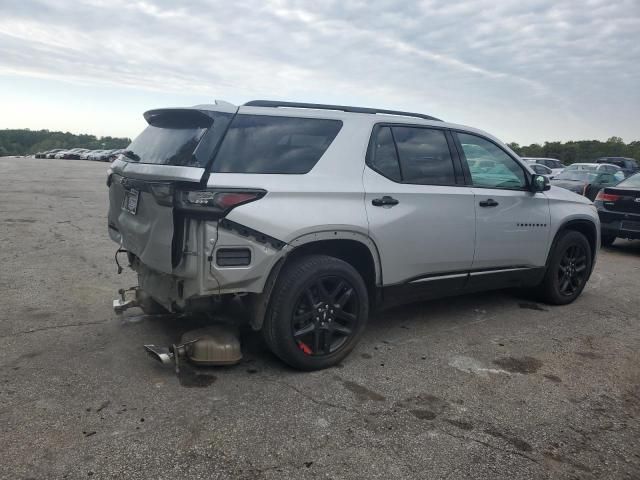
[539, 183]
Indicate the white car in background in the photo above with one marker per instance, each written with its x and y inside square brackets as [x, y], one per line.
[556, 166]
[542, 170]
[614, 170]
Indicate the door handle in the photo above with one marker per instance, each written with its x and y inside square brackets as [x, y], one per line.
[384, 201]
[489, 202]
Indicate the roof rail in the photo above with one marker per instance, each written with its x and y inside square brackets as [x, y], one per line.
[342, 108]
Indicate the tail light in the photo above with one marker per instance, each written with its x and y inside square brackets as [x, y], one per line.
[215, 202]
[607, 197]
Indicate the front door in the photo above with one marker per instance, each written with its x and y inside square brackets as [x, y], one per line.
[512, 222]
[421, 216]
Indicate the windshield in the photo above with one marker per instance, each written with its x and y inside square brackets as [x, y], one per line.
[576, 175]
[170, 139]
[631, 182]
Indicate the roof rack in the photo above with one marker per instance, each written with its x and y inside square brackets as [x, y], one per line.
[342, 108]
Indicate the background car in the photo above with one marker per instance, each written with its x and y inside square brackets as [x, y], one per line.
[553, 163]
[542, 170]
[584, 182]
[619, 210]
[73, 154]
[114, 154]
[629, 166]
[53, 153]
[597, 168]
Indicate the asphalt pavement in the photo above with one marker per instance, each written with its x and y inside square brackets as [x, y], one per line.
[490, 386]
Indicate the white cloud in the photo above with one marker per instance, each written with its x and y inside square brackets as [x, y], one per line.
[527, 71]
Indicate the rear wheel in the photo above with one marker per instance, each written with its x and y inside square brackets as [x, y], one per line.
[318, 311]
[568, 269]
[607, 240]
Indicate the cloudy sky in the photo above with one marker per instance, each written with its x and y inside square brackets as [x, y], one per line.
[525, 70]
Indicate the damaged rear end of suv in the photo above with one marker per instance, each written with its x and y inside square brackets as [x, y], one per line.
[173, 190]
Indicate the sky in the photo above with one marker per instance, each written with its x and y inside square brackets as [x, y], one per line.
[526, 71]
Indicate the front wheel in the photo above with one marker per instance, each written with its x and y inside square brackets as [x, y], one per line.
[318, 311]
[568, 269]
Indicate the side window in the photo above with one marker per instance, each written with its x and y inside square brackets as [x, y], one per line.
[383, 157]
[490, 166]
[273, 144]
[424, 156]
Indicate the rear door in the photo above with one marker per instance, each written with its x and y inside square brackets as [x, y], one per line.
[512, 223]
[420, 214]
[174, 150]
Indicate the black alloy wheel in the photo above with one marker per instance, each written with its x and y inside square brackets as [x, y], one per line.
[572, 271]
[324, 316]
[317, 312]
[568, 269]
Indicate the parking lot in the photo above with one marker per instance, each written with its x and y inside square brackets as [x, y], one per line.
[485, 386]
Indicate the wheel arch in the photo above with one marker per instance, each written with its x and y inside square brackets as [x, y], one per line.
[582, 225]
[355, 248]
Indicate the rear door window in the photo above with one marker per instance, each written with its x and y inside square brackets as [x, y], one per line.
[384, 158]
[277, 145]
[424, 155]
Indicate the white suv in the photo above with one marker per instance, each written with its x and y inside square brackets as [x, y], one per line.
[317, 214]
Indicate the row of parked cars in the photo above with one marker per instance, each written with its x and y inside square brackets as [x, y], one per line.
[612, 183]
[81, 154]
[585, 178]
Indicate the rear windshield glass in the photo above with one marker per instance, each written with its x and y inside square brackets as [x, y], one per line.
[631, 182]
[267, 144]
[170, 139]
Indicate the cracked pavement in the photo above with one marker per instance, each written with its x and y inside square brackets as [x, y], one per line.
[488, 386]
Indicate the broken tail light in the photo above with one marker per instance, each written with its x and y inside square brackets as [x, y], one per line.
[215, 202]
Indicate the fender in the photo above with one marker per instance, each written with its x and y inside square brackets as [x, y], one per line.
[259, 303]
[570, 224]
[341, 234]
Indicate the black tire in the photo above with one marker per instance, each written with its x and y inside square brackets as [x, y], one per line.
[568, 270]
[607, 240]
[331, 306]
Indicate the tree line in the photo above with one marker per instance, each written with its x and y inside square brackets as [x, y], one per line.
[25, 141]
[581, 150]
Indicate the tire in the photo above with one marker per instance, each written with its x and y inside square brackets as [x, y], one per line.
[331, 306]
[570, 262]
[607, 240]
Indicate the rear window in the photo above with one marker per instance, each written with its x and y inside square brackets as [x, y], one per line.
[279, 145]
[631, 182]
[170, 139]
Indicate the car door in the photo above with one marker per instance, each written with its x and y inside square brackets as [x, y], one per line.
[512, 222]
[421, 215]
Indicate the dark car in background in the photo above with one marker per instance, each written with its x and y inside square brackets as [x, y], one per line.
[619, 210]
[629, 166]
[585, 182]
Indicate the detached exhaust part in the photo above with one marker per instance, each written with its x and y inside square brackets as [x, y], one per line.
[164, 355]
[210, 346]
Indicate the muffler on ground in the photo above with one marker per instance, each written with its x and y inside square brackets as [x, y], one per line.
[210, 346]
